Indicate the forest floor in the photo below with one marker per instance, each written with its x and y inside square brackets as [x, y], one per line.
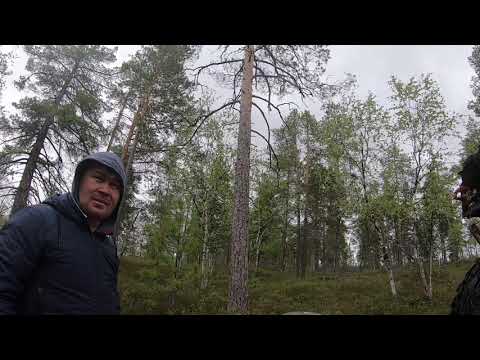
[146, 288]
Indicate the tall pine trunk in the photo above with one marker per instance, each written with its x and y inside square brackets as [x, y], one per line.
[306, 212]
[117, 122]
[23, 190]
[300, 247]
[128, 154]
[129, 171]
[238, 291]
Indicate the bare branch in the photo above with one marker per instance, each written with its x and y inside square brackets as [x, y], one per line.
[202, 120]
[54, 148]
[270, 146]
[8, 187]
[18, 160]
[274, 106]
[15, 138]
[203, 67]
[268, 126]
[266, 81]
[285, 74]
[294, 78]
[235, 80]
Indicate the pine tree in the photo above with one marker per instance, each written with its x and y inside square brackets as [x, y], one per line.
[63, 117]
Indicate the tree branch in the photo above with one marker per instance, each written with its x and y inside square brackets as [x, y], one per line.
[274, 106]
[270, 146]
[203, 67]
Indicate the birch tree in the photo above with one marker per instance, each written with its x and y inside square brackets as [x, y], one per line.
[424, 124]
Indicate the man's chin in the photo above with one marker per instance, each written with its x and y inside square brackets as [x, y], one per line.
[98, 214]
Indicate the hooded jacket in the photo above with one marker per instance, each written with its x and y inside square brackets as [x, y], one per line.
[51, 262]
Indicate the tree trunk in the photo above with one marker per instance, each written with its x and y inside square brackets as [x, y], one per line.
[314, 255]
[317, 249]
[389, 266]
[179, 251]
[117, 122]
[187, 217]
[299, 239]
[285, 228]
[238, 291]
[420, 264]
[430, 263]
[430, 288]
[421, 271]
[137, 118]
[392, 282]
[307, 208]
[204, 265]
[128, 155]
[444, 250]
[23, 190]
[387, 256]
[258, 248]
[300, 247]
[306, 239]
[129, 171]
[422, 276]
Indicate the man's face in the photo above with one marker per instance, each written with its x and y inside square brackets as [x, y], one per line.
[99, 192]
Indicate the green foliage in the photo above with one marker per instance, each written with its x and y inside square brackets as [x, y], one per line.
[361, 179]
[190, 216]
[471, 141]
[474, 61]
[147, 288]
[4, 62]
[63, 118]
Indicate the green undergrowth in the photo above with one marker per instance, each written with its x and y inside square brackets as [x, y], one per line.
[150, 288]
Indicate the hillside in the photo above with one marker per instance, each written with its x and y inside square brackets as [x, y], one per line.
[150, 289]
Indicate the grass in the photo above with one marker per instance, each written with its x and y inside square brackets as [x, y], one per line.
[148, 288]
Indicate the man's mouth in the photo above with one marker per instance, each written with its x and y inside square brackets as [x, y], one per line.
[101, 202]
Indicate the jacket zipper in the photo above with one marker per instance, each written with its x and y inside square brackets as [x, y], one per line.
[97, 270]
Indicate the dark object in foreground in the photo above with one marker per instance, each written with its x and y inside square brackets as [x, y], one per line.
[467, 299]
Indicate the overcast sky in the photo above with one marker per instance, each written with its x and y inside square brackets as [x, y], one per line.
[373, 65]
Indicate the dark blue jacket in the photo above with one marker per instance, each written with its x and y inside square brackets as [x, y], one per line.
[51, 262]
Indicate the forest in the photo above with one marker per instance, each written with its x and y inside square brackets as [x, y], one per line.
[350, 204]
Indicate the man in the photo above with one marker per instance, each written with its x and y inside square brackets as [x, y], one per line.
[59, 257]
[467, 299]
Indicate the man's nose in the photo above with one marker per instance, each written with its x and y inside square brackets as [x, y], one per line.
[105, 189]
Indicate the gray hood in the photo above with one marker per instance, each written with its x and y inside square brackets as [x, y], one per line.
[114, 163]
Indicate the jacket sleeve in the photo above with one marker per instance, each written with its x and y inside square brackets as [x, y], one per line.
[21, 246]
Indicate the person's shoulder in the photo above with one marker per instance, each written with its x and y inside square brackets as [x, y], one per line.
[39, 214]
